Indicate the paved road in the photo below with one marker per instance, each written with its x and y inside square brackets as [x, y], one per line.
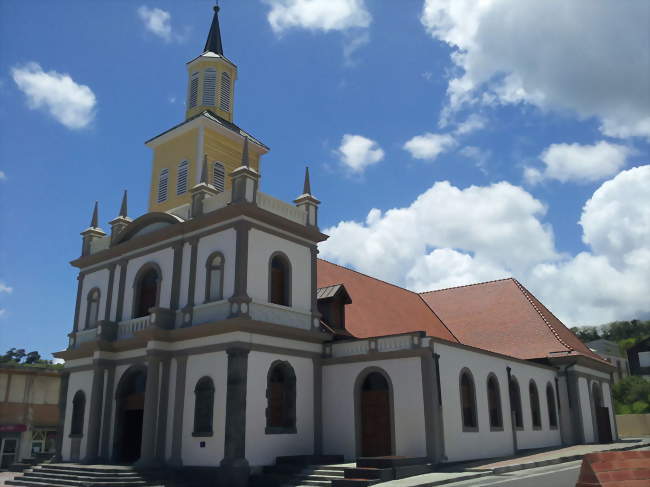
[562, 475]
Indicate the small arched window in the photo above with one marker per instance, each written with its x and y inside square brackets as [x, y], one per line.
[534, 405]
[280, 280]
[281, 399]
[193, 95]
[146, 292]
[515, 403]
[78, 411]
[224, 101]
[218, 176]
[203, 407]
[209, 86]
[92, 308]
[214, 277]
[181, 180]
[163, 181]
[550, 402]
[494, 403]
[468, 401]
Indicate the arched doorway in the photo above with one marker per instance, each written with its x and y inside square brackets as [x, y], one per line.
[602, 425]
[129, 412]
[374, 415]
[147, 290]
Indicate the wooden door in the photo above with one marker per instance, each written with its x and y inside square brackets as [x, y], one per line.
[375, 417]
[603, 424]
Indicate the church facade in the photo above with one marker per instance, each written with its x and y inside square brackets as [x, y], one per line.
[208, 334]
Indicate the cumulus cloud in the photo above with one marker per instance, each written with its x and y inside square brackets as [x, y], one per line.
[451, 236]
[357, 152]
[579, 163]
[317, 15]
[581, 56]
[157, 21]
[4, 288]
[70, 103]
[473, 123]
[429, 146]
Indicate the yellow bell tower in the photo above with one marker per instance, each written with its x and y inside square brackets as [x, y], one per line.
[208, 132]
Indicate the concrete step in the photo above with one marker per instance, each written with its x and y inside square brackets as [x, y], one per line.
[82, 480]
[354, 482]
[99, 469]
[63, 473]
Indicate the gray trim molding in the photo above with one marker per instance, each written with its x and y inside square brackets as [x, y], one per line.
[63, 401]
[318, 405]
[176, 459]
[120, 290]
[105, 451]
[109, 291]
[431, 407]
[80, 283]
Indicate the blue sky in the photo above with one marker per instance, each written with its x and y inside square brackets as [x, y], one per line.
[450, 142]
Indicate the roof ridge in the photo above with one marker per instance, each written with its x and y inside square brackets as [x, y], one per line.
[370, 277]
[526, 293]
[439, 318]
[467, 285]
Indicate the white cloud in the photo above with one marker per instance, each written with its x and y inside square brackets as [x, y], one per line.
[429, 146]
[58, 361]
[478, 155]
[353, 43]
[156, 21]
[3, 176]
[579, 163]
[68, 102]
[473, 123]
[323, 15]
[2, 312]
[4, 288]
[580, 56]
[358, 152]
[450, 236]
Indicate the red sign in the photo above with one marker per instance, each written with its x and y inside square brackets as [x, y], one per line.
[12, 428]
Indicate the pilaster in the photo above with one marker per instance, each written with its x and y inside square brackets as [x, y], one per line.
[240, 301]
[176, 459]
[95, 412]
[191, 287]
[105, 447]
[60, 427]
[149, 419]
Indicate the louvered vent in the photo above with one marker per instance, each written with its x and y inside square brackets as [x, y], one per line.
[194, 90]
[218, 176]
[224, 101]
[209, 87]
[162, 185]
[181, 182]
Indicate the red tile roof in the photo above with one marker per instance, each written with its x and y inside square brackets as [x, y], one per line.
[498, 316]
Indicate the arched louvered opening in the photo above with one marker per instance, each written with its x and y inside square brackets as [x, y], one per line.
[218, 176]
[468, 401]
[224, 100]
[163, 183]
[280, 280]
[203, 407]
[214, 277]
[147, 290]
[181, 179]
[209, 86]
[515, 403]
[550, 404]
[78, 413]
[193, 92]
[494, 403]
[281, 399]
[534, 405]
[92, 308]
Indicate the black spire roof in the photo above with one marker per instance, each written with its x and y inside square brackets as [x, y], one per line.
[213, 43]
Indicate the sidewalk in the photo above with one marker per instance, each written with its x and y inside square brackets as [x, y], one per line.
[539, 458]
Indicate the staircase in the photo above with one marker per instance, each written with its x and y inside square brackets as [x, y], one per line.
[73, 474]
[322, 475]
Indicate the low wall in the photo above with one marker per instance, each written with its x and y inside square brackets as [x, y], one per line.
[633, 425]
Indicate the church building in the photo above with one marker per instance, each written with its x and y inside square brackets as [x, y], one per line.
[207, 333]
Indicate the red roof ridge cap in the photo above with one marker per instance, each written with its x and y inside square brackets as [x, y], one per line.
[368, 276]
[467, 285]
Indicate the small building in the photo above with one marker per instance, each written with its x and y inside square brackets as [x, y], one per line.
[639, 358]
[611, 352]
[29, 411]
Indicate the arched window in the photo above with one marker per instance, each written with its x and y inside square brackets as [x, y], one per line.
[147, 286]
[281, 399]
[203, 407]
[218, 176]
[163, 181]
[78, 411]
[515, 403]
[181, 179]
[92, 308]
[550, 402]
[214, 277]
[193, 94]
[280, 280]
[534, 405]
[224, 101]
[468, 401]
[209, 86]
[494, 402]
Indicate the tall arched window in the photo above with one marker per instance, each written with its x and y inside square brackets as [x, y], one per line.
[193, 92]
[203, 407]
[163, 181]
[214, 277]
[550, 402]
[218, 176]
[494, 402]
[281, 399]
[515, 403]
[534, 405]
[224, 101]
[78, 411]
[468, 401]
[209, 86]
[147, 285]
[280, 280]
[181, 179]
[92, 308]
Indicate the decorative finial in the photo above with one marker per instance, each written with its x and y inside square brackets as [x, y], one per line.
[123, 207]
[244, 155]
[94, 222]
[306, 188]
[204, 170]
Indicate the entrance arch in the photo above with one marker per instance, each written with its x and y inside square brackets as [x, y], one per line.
[129, 412]
[374, 414]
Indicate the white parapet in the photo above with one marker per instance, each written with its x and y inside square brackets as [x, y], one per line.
[126, 329]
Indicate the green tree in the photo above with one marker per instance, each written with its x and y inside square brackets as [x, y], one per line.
[33, 358]
[632, 396]
[586, 333]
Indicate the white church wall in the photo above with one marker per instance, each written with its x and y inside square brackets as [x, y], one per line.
[223, 242]
[78, 381]
[170, 408]
[339, 431]
[98, 279]
[585, 406]
[215, 366]
[185, 276]
[565, 411]
[164, 259]
[262, 448]
[261, 246]
[116, 287]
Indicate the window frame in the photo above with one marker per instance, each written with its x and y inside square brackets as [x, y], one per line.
[78, 416]
[492, 378]
[551, 406]
[204, 100]
[535, 407]
[466, 428]
[287, 279]
[209, 397]
[514, 394]
[142, 272]
[91, 322]
[209, 267]
[289, 400]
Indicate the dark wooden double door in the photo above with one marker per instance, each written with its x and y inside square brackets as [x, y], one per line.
[603, 424]
[376, 421]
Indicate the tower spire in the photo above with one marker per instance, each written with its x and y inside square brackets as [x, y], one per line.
[306, 187]
[123, 207]
[94, 221]
[213, 43]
